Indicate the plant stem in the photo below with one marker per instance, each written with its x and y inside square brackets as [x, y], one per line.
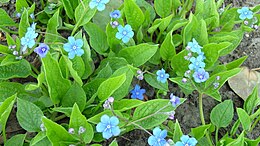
[254, 124]
[201, 109]
[60, 117]
[216, 136]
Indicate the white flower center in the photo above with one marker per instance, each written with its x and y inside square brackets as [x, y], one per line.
[43, 49]
[27, 40]
[186, 144]
[74, 47]
[162, 75]
[108, 126]
[124, 32]
[137, 93]
[200, 76]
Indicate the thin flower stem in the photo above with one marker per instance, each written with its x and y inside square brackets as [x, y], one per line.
[216, 136]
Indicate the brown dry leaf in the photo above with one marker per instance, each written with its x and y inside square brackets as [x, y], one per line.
[244, 82]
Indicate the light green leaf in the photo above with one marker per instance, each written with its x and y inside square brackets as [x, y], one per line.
[75, 94]
[29, 115]
[98, 38]
[113, 143]
[86, 57]
[24, 24]
[139, 54]
[252, 101]
[244, 118]
[134, 14]
[57, 134]
[222, 114]
[167, 49]
[20, 5]
[126, 104]
[156, 108]
[152, 80]
[5, 19]
[200, 131]
[177, 132]
[16, 140]
[109, 86]
[163, 7]
[19, 69]
[78, 120]
[58, 87]
[179, 64]
[40, 140]
[68, 8]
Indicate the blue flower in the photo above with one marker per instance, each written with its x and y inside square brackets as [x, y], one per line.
[115, 14]
[100, 4]
[137, 93]
[194, 46]
[196, 63]
[200, 75]
[175, 100]
[162, 76]
[245, 13]
[186, 141]
[29, 39]
[42, 50]
[158, 137]
[73, 47]
[108, 126]
[124, 33]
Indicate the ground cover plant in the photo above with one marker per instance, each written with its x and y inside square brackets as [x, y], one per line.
[76, 72]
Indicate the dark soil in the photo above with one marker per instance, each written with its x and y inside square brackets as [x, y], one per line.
[187, 113]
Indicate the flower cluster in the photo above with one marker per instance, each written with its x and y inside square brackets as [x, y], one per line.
[73, 47]
[216, 83]
[137, 93]
[186, 141]
[124, 33]
[197, 63]
[108, 126]
[158, 137]
[245, 13]
[100, 4]
[162, 76]
[108, 103]
[140, 75]
[28, 41]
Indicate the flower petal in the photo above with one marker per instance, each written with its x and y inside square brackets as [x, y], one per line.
[114, 121]
[116, 131]
[106, 134]
[105, 119]
[67, 47]
[92, 4]
[119, 35]
[152, 140]
[71, 54]
[100, 127]
[71, 40]
[101, 7]
[163, 134]
[80, 52]
[157, 131]
[125, 39]
[185, 138]
[79, 43]
[179, 143]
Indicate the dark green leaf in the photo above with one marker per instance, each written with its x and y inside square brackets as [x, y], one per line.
[5, 19]
[16, 140]
[167, 49]
[68, 8]
[163, 7]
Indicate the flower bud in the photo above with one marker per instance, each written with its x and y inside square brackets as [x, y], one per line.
[15, 53]
[111, 99]
[246, 22]
[184, 80]
[71, 131]
[81, 130]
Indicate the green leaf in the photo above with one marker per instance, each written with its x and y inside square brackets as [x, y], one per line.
[73, 72]
[96, 118]
[24, 24]
[91, 87]
[126, 104]
[222, 114]
[4, 1]
[167, 49]
[20, 5]
[163, 7]
[179, 64]
[19, 69]
[200, 131]
[66, 110]
[40, 140]
[239, 141]
[75, 94]
[83, 14]
[6, 20]
[187, 86]
[244, 118]
[109, 86]
[78, 120]
[177, 132]
[52, 34]
[156, 108]
[5, 110]
[29, 115]
[251, 101]
[236, 63]
[16, 140]
[134, 14]
[98, 38]
[57, 134]
[123, 91]
[106, 72]
[152, 80]
[139, 54]
[79, 66]
[86, 57]
[58, 87]
[212, 52]
[113, 143]
[68, 8]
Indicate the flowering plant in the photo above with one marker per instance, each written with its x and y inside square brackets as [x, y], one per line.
[102, 68]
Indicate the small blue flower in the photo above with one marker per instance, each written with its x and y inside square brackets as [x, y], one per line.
[115, 14]
[186, 141]
[162, 76]
[100, 4]
[175, 100]
[29, 39]
[124, 33]
[108, 126]
[73, 47]
[158, 137]
[137, 93]
[245, 13]
[194, 46]
[200, 75]
[42, 50]
[196, 63]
